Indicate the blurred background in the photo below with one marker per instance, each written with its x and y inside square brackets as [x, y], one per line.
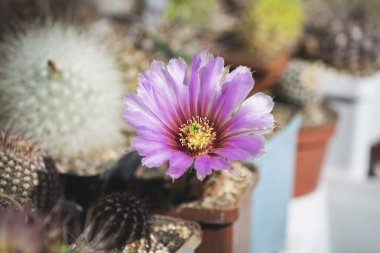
[319, 60]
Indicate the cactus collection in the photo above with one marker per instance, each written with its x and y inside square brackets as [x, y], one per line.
[60, 87]
[271, 27]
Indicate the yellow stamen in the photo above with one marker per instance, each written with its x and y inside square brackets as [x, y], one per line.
[197, 134]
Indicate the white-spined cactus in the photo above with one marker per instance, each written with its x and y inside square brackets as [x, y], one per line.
[299, 86]
[61, 87]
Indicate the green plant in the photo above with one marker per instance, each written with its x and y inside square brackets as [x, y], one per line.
[190, 12]
[61, 87]
[271, 27]
[298, 86]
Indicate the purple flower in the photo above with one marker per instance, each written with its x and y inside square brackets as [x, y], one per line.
[197, 118]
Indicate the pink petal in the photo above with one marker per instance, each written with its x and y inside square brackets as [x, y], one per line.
[178, 164]
[155, 134]
[160, 92]
[157, 157]
[235, 89]
[210, 84]
[254, 116]
[144, 146]
[242, 147]
[199, 61]
[177, 69]
[205, 164]
[138, 114]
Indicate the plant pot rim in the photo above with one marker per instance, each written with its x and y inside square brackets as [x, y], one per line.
[207, 215]
[317, 136]
[331, 121]
[241, 57]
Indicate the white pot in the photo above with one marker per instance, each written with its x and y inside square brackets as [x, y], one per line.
[357, 101]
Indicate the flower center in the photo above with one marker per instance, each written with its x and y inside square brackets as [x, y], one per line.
[197, 134]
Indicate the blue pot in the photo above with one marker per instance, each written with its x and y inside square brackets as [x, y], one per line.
[274, 190]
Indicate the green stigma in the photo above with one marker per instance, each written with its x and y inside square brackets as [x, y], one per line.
[194, 128]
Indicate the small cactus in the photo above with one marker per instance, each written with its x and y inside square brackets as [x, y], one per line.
[20, 161]
[26, 173]
[62, 88]
[114, 221]
[350, 43]
[271, 27]
[298, 86]
[48, 190]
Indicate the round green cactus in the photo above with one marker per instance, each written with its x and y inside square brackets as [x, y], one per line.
[271, 27]
[190, 12]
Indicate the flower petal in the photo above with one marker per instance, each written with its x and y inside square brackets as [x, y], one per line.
[202, 166]
[178, 164]
[253, 116]
[138, 114]
[210, 77]
[154, 134]
[235, 89]
[144, 146]
[205, 164]
[177, 69]
[201, 62]
[242, 147]
[157, 157]
[160, 93]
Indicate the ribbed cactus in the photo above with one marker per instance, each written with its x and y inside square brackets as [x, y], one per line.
[298, 86]
[20, 162]
[271, 27]
[61, 87]
[114, 221]
[350, 43]
[26, 174]
[48, 190]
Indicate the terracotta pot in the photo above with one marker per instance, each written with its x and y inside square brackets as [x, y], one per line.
[311, 150]
[266, 74]
[225, 217]
[222, 231]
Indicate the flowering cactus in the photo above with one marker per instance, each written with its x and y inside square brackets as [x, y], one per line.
[197, 119]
